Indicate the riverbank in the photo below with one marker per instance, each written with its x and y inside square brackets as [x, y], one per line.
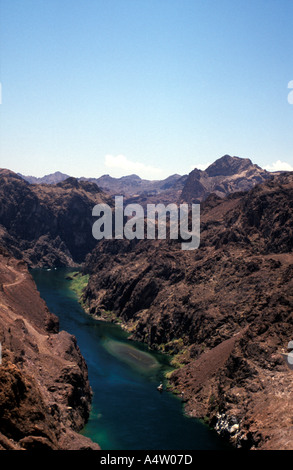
[127, 412]
[78, 283]
[176, 357]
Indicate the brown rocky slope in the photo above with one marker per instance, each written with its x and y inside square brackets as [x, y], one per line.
[44, 390]
[225, 309]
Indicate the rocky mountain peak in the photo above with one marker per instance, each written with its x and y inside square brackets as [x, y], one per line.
[225, 176]
[227, 166]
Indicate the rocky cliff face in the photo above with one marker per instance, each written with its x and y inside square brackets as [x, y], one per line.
[225, 176]
[44, 390]
[48, 225]
[224, 309]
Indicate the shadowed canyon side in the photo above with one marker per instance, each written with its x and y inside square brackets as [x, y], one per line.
[225, 310]
[45, 394]
[48, 225]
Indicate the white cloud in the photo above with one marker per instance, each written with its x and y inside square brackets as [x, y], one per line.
[203, 166]
[121, 166]
[279, 166]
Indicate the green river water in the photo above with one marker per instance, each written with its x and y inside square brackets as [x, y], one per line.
[128, 412]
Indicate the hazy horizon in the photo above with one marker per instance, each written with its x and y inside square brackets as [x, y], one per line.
[133, 174]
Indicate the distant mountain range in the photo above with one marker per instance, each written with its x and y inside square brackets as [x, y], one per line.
[130, 185]
[53, 178]
[48, 221]
[226, 175]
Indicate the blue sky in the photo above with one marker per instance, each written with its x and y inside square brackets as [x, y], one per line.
[152, 87]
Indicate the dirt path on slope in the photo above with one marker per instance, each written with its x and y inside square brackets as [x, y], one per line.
[19, 278]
